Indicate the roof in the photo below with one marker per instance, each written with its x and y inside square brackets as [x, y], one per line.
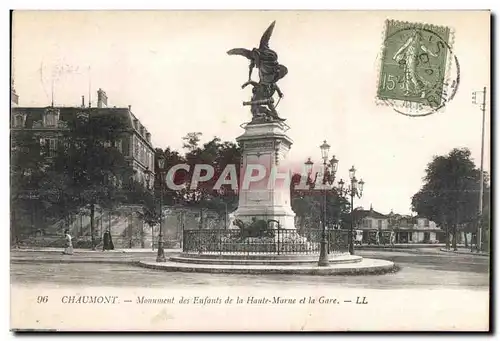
[360, 214]
[68, 114]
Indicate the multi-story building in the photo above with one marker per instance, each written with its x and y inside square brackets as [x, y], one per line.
[47, 125]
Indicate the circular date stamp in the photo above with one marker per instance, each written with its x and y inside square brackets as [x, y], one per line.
[419, 73]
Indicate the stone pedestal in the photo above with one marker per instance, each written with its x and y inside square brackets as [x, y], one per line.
[265, 146]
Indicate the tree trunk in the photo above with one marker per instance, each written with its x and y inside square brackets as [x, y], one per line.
[447, 236]
[455, 237]
[142, 235]
[14, 229]
[92, 217]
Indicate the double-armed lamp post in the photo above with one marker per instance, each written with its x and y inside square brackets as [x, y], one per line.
[160, 257]
[149, 174]
[353, 190]
[328, 178]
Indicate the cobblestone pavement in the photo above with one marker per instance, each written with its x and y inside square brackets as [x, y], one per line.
[417, 271]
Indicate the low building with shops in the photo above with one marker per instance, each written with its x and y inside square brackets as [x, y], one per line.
[407, 229]
[414, 229]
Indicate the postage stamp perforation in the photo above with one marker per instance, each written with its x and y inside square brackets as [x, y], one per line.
[381, 54]
[451, 55]
[417, 25]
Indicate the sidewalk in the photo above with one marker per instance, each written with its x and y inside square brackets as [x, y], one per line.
[55, 256]
[399, 246]
[464, 251]
[59, 250]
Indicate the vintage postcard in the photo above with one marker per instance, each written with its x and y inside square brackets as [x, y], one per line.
[250, 171]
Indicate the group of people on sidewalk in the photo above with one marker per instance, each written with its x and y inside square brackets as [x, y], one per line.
[392, 238]
[107, 242]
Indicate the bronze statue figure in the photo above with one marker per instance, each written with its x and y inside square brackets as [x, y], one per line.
[270, 72]
[255, 229]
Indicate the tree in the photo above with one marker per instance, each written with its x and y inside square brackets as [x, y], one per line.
[88, 169]
[219, 155]
[28, 166]
[450, 193]
[191, 141]
[308, 206]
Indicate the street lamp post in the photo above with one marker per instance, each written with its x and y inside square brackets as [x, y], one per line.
[355, 189]
[161, 252]
[329, 170]
[149, 174]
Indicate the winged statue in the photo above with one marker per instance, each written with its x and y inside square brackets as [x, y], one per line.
[270, 72]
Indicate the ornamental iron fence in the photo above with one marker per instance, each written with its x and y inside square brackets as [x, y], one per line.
[277, 241]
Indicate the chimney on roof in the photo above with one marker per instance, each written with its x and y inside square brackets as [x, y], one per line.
[129, 107]
[83, 101]
[102, 99]
[371, 207]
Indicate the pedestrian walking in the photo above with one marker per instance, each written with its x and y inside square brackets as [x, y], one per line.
[68, 250]
[393, 238]
[377, 237]
[107, 241]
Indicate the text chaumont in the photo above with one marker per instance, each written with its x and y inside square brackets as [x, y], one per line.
[77, 299]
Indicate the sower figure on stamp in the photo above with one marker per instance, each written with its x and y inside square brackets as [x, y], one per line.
[270, 72]
[408, 57]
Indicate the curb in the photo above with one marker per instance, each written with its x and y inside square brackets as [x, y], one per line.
[466, 253]
[390, 249]
[330, 271]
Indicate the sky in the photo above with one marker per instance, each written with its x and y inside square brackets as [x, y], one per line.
[172, 68]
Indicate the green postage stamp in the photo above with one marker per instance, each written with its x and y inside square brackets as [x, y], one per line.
[419, 73]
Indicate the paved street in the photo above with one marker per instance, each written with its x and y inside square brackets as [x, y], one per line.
[424, 269]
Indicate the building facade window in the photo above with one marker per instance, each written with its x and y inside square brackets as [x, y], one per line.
[19, 121]
[136, 147]
[379, 223]
[118, 145]
[370, 224]
[426, 222]
[365, 223]
[51, 118]
[48, 146]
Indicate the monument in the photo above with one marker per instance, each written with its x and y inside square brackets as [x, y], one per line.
[264, 142]
[262, 237]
